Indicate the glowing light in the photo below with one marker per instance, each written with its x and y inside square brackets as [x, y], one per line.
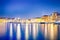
[34, 30]
[52, 32]
[11, 30]
[26, 31]
[46, 29]
[18, 32]
[38, 19]
[3, 20]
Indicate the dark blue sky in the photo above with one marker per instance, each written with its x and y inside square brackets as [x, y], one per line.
[28, 8]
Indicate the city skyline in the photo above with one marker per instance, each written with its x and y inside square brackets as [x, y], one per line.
[30, 18]
[53, 18]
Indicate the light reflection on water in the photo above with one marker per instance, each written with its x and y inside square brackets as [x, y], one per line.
[34, 32]
[26, 32]
[11, 32]
[17, 31]
[30, 32]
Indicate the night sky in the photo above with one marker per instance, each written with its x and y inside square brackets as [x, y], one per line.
[28, 8]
